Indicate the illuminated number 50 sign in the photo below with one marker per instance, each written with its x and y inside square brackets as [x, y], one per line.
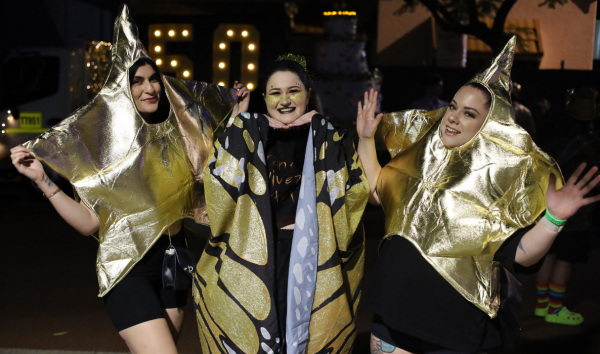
[224, 36]
[159, 35]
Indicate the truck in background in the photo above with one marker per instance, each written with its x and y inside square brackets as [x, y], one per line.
[46, 85]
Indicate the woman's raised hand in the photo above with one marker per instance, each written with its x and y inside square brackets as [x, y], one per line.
[26, 164]
[243, 99]
[366, 122]
[564, 203]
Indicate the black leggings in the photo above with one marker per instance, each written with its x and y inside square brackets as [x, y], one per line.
[406, 342]
[140, 296]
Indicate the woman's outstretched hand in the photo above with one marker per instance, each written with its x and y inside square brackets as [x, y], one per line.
[366, 122]
[243, 99]
[26, 164]
[564, 203]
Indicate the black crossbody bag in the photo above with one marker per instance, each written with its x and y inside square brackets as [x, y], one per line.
[178, 267]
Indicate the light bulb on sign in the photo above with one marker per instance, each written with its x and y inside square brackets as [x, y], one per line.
[173, 62]
[157, 33]
[3, 132]
[251, 46]
[185, 33]
[230, 33]
[8, 111]
[250, 86]
[245, 34]
[222, 45]
[221, 65]
[186, 73]
[251, 66]
[158, 61]
[171, 33]
[157, 49]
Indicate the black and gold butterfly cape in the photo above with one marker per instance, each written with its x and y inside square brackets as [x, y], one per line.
[234, 284]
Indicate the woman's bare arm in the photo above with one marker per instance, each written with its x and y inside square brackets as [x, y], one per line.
[366, 126]
[562, 204]
[75, 214]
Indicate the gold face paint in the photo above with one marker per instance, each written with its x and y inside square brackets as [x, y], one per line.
[295, 95]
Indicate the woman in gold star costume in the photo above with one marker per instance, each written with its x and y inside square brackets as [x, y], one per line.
[461, 195]
[146, 109]
[285, 191]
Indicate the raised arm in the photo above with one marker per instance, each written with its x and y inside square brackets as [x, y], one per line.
[75, 214]
[562, 204]
[243, 100]
[366, 125]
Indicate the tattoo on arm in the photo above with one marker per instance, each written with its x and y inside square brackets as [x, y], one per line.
[380, 347]
[48, 181]
[521, 247]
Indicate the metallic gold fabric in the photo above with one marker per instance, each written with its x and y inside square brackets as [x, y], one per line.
[238, 261]
[457, 205]
[138, 178]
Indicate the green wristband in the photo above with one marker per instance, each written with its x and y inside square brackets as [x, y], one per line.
[554, 220]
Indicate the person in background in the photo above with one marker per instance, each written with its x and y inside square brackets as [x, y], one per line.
[540, 112]
[432, 101]
[523, 115]
[574, 143]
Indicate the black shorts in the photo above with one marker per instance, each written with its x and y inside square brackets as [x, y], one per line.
[407, 342]
[140, 296]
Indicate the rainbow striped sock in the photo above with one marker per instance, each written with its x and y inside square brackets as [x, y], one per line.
[557, 293]
[542, 292]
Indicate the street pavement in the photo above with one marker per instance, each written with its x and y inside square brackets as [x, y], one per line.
[49, 303]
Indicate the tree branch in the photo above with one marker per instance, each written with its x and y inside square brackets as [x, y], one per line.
[501, 16]
[473, 13]
[440, 12]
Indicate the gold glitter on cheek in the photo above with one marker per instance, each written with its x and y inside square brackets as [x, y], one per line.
[298, 98]
[272, 100]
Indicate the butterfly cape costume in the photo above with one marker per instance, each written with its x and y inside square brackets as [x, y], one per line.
[234, 285]
[137, 178]
[458, 205]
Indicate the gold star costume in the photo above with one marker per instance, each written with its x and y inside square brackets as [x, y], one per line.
[458, 205]
[138, 178]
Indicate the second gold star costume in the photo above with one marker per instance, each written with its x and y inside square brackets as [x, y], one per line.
[458, 205]
[138, 178]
